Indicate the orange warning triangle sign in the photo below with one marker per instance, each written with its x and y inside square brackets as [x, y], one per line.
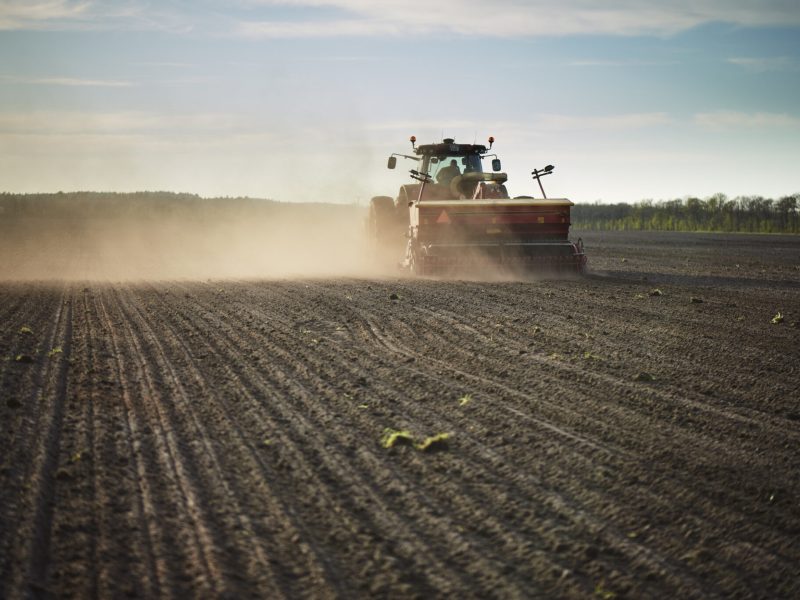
[443, 218]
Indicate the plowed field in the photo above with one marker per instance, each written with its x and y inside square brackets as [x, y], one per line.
[633, 433]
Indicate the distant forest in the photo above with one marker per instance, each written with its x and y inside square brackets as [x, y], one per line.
[152, 206]
[746, 214]
[113, 204]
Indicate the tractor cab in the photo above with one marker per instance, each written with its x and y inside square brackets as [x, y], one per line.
[455, 171]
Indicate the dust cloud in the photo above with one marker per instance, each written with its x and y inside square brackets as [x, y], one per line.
[152, 237]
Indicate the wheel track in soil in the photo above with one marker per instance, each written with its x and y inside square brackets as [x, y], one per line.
[653, 564]
[696, 402]
[668, 331]
[783, 559]
[714, 313]
[339, 465]
[624, 387]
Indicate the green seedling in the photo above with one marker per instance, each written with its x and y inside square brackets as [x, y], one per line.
[363, 406]
[777, 319]
[656, 292]
[266, 442]
[395, 437]
[589, 356]
[24, 358]
[25, 330]
[639, 297]
[434, 442]
[54, 351]
[464, 400]
[601, 592]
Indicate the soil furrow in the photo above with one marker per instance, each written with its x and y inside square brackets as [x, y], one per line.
[32, 538]
[323, 452]
[153, 410]
[628, 434]
[494, 462]
[155, 582]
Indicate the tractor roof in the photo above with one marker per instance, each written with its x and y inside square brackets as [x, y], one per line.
[448, 147]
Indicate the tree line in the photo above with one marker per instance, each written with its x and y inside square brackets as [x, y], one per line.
[746, 214]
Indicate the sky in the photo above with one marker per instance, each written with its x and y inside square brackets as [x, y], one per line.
[304, 100]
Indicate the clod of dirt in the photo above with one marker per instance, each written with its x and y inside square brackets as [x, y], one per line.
[644, 377]
[13, 403]
[394, 296]
[24, 358]
[695, 300]
[591, 552]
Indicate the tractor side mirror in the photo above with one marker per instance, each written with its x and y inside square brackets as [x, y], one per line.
[392, 162]
[496, 165]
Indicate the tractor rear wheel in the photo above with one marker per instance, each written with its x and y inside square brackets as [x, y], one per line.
[381, 230]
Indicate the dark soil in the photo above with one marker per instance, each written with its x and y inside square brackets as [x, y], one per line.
[223, 439]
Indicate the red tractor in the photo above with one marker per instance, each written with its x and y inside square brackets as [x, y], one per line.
[458, 217]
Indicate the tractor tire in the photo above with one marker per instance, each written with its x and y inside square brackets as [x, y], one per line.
[381, 229]
[381, 216]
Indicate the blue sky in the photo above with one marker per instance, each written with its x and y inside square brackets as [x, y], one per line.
[305, 99]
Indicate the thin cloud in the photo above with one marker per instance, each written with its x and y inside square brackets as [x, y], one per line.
[88, 15]
[511, 18]
[765, 64]
[104, 123]
[554, 122]
[16, 14]
[398, 18]
[620, 63]
[728, 119]
[66, 81]
[313, 29]
[170, 65]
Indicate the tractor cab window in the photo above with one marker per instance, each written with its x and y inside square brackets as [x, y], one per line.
[444, 168]
[472, 164]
